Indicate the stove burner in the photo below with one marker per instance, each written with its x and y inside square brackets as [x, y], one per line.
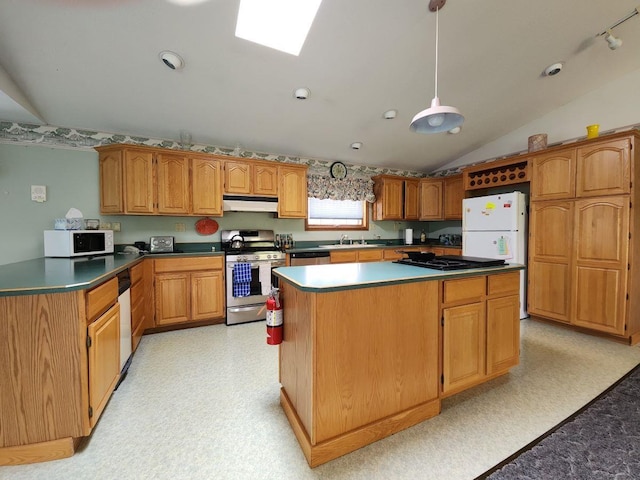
[451, 262]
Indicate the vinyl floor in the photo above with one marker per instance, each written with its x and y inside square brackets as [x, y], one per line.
[203, 403]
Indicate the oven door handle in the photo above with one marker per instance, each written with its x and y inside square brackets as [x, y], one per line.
[257, 265]
[246, 309]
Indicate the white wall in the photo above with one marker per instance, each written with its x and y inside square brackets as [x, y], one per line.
[612, 106]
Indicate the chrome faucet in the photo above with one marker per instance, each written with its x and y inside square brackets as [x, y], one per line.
[343, 237]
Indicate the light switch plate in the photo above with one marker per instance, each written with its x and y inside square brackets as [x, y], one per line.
[115, 226]
[39, 193]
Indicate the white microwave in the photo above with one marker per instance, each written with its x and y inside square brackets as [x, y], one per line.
[76, 243]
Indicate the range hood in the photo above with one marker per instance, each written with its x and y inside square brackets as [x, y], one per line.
[238, 203]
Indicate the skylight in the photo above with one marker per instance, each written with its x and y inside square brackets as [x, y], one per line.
[279, 24]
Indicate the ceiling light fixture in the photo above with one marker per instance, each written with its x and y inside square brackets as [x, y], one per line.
[455, 130]
[302, 93]
[390, 114]
[614, 42]
[171, 60]
[356, 145]
[436, 118]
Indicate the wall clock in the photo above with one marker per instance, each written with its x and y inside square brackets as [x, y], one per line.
[338, 170]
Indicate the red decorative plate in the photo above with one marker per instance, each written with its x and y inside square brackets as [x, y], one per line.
[206, 226]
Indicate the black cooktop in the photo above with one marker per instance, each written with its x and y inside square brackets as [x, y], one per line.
[451, 262]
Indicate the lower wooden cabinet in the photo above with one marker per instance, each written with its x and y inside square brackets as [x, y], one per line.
[480, 329]
[104, 360]
[354, 255]
[189, 289]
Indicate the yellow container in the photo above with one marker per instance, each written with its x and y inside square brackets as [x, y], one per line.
[592, 131]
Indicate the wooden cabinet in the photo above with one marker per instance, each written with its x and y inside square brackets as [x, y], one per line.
[431, 199]
[292, 191]
[188, 289]
[141, 298]
[103, 345]
[453, 196]
[397, 198]
[250, 178]
[354, 255]
[104, 360]
[151, 181]
[480, 322]
[581, 267]
[441, 198]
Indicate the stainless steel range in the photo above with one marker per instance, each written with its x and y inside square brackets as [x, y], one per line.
[250, 257]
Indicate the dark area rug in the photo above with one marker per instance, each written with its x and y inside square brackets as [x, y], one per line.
[600, 441]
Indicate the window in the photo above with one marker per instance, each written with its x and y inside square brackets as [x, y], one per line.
[336, 215]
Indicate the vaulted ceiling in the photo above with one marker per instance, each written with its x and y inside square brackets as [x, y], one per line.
[95, 65]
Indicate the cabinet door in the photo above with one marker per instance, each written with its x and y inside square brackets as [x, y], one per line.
[431, 200]
[550, 254]
[344, 256]
[172, 298]
[453, 195]
[139, 186]
[392, 199]
[173, 184]
[553, 176]
[206, 187]
[207, 295]
[503, 333]
[292, 192]
[411, 199]
[104, 360]
[111, 200]
[601, 256]
[604, 169]
[463, 346]
[237, 177]
[370, 255]
[265, 180]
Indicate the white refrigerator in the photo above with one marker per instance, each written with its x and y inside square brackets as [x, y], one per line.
[495, 227]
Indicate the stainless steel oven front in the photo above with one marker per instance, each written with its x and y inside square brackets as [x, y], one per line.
[251, 308]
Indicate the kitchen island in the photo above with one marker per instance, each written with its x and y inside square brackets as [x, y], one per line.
[371, 348]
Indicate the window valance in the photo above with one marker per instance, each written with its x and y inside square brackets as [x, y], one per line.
[353, 188]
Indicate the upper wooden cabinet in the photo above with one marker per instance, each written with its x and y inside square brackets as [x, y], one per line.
[292, 191]
[453, 195]
[397, 198]
[431, 199]
[553, 175]
[250, 178]
[151, 181]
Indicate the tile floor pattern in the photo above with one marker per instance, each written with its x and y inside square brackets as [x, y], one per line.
[203, 404]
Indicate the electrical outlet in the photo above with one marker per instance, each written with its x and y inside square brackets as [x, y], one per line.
[115, 226]
[180, 227]
[105, 226]
[39, 193]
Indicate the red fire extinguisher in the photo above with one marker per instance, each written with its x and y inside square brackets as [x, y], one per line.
[275, 319]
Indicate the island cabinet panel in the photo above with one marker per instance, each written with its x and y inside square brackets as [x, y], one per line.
[356, 367]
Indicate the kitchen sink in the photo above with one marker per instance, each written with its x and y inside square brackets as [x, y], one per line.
[349, 245]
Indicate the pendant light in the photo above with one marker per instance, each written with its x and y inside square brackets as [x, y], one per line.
[436, 118]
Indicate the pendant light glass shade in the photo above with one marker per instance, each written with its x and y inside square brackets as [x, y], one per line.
[436, 118]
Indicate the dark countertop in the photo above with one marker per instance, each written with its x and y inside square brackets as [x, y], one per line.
[53, 275]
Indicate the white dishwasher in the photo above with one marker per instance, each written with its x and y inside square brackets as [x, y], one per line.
[124, 299]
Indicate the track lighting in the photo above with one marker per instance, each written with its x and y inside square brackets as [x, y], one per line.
[614, 42]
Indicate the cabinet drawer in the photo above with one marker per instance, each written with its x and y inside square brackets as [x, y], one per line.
[135, 273]
[188, 264]
[505, 284]
[373, 255]
[99, 299]
[470, 289]
[390, 254]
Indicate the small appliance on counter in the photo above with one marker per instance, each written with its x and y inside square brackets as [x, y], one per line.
[77, 243]
[161, 244]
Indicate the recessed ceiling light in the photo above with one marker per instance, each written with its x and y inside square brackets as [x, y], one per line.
[390, 114]
[302, 93]
[356, 145]
[171, 60]
[279, 24]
